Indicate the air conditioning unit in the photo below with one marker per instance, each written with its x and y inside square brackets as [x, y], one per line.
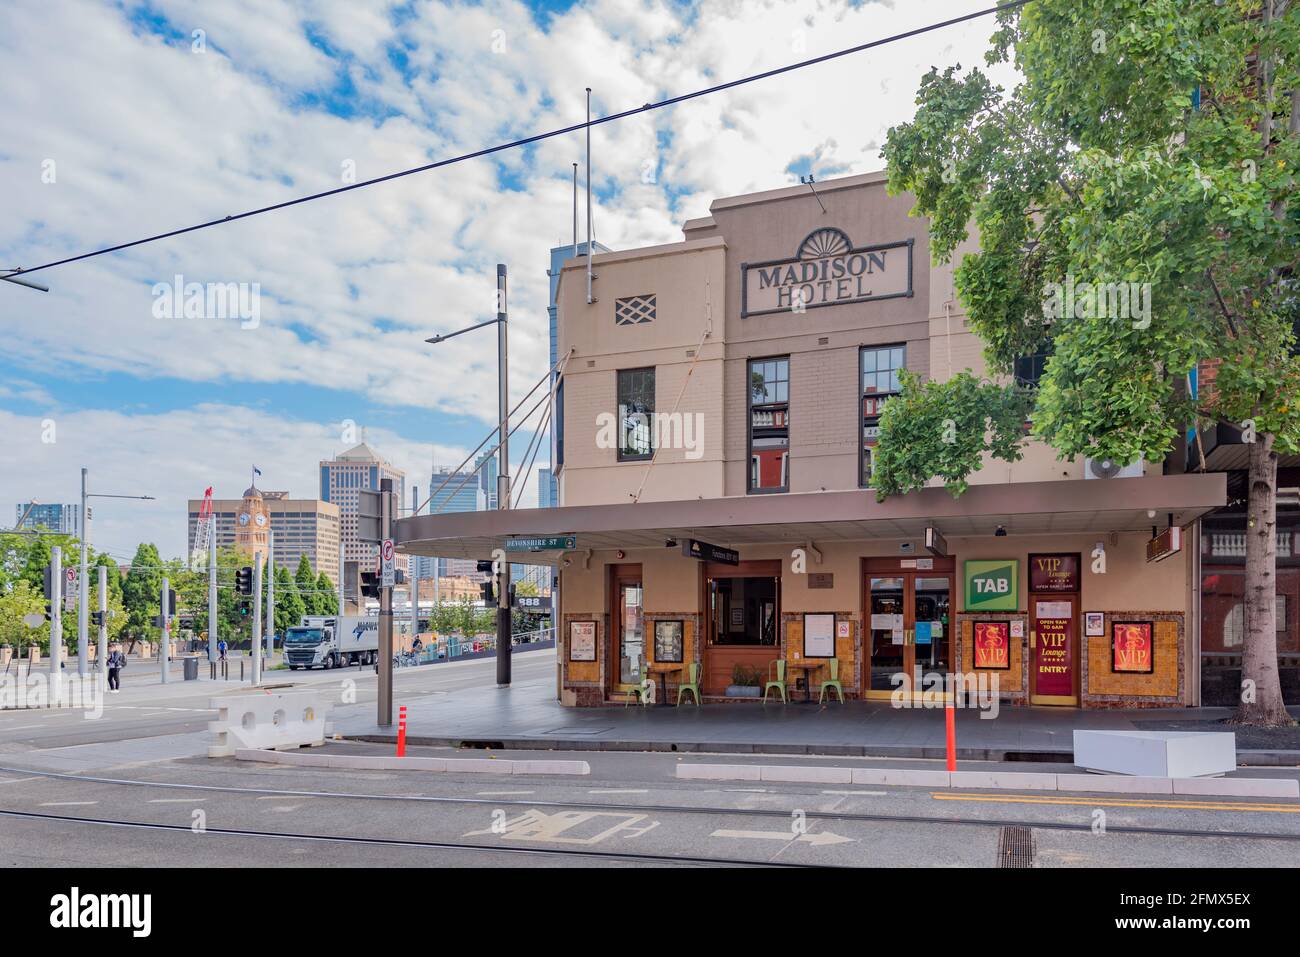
[1109, 468]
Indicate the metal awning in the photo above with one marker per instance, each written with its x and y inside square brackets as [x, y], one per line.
[1024, 508]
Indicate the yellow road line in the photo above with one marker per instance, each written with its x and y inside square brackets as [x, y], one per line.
[1111, 802]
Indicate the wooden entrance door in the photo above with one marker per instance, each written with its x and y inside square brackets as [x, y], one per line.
[627, 628]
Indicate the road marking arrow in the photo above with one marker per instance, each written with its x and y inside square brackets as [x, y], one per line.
[817, 840]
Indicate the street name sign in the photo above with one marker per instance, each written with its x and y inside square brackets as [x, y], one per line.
[545, 543]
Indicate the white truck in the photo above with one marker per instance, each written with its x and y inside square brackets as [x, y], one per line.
[332, 641]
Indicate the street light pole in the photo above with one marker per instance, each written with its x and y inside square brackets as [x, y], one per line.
[503, 476]
[83, 602]
[501, 569]
[270, 597]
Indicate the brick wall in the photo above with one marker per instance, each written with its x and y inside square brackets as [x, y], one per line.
[1106, 688]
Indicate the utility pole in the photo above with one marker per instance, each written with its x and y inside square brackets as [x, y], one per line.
[413, 588]
[83, 604]
[256, 644]
[270, 597]
[101, 652]
[213, 625]
[165, 645]
[385, 717]
[342, 567]
[56, 612]
[503, 476]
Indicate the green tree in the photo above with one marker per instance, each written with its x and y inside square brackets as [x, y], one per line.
[1153, 143]
[305, 585]
[15, 604]
[141, 593]
[327, 597]
[289, 604]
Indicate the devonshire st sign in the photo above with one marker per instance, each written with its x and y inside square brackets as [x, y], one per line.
[826, 271]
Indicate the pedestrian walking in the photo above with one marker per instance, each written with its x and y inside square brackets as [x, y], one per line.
[116, 662]
[221, 649]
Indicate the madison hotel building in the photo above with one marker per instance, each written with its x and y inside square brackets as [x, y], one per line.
[716, 417]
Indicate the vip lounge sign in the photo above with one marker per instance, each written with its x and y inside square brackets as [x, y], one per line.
[992, 585]
[826, 271]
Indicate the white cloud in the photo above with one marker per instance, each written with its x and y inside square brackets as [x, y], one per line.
[149, 136]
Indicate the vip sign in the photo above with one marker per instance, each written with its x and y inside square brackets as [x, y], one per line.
[992, 585]
[826, 271]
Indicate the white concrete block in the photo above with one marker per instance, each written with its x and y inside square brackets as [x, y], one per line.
[1009, 780]
[805, 775]
[1239, 787]
[266, 721]
[1115, 783]
[1176, 754]
[902, 777]
[719, 772]
[550, 767]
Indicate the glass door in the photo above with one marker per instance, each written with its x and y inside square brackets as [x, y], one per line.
[909, 619]
[930, 647]
[631, 633]
[887, 625]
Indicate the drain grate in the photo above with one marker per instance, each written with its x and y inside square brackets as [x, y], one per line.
[1016, 847]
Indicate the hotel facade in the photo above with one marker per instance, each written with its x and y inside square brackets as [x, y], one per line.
[716, 421]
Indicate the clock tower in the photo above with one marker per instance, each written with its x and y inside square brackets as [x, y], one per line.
[252, 523]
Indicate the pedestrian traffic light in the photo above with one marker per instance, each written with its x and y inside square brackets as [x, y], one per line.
[243, 609]
[244, 580]
[49, 611]
[489, 595]
[97, 618]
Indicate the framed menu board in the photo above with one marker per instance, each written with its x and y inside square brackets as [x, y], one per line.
[582, 641]
[668, 641]
[1132, 648]
[819, 636]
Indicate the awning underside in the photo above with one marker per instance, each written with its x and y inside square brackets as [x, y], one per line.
[1035, 508]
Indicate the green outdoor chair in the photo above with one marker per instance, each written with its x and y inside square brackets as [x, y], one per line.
[692, 685]
[834, 682]
[641, 693]
[779, 683]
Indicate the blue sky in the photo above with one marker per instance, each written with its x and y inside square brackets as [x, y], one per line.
[128, 118]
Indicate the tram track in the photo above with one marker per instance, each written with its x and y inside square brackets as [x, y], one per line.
[355, 840]
[784, 814]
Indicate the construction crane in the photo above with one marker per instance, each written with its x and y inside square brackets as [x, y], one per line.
[203, 529]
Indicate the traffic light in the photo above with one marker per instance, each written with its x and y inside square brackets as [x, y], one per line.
[489, 594]
[485, 566]
[49, 611]
[171, 602]
[97, 618]
[243, 609]
[369, 584]
[244, 580]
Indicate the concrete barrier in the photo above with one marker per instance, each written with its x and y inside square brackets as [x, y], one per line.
[1173, 754]
[266, 721]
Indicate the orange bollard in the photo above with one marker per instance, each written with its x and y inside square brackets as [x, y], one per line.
[950, 719]
[401, 732]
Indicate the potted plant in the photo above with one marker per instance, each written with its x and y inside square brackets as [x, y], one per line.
[746, 682]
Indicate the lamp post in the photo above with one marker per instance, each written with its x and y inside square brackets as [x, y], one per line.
[83, 584]
[503, 464]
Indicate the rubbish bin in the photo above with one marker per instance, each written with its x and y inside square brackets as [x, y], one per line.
[191, 669]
